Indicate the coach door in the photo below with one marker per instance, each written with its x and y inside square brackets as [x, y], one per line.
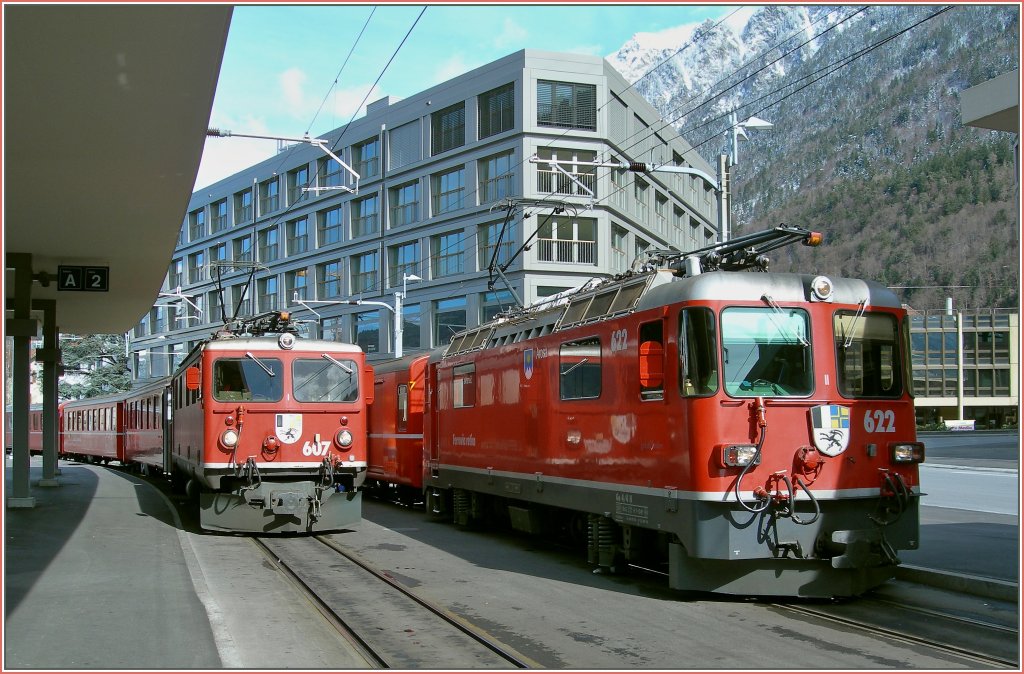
[430, 420]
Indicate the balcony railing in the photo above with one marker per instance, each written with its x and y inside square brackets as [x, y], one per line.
[568, 251]
[556, 182]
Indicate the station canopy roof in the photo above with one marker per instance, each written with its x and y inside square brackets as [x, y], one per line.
[105, 114]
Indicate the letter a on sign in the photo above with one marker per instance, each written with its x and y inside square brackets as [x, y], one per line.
[69, 278]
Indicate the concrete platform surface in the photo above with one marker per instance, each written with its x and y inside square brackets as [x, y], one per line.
[101, 575]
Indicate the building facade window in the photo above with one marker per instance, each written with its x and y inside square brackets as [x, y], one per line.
[219, 216]
[364, 272]
[268, 245]
[331, 330]
[449, 319]
[267, 291]
[241, 300]
[175, 274]
[568, 240]
[215, 305]
[298, 236]
[496, 110]
[567, 105]
[295, 285]
[329, 173]
[497, 177]
[447, 254]
[365, 216]
[366, 158]
[367, 331]
[196, 267]
[489, 247]
[242, 249]
[448, 128]
[298, 180]
[328, 280]
[620, 258]
[328, 227]
[574, 178]
[447, 190]
[269, 198]
[403, 260]
[493, 303]
[405, 204]
[197, 225]
[243, 206]
[411, 326]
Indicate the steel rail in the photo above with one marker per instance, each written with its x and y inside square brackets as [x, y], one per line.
[516, 660]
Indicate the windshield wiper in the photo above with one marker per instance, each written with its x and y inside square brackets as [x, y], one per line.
[248, 354]
[344, 367]
[853, 325]
[782, 327]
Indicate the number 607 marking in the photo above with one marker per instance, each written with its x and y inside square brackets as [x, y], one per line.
[880, 421]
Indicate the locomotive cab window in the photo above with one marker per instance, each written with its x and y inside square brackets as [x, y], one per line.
[652, 362]
[698, 352]
[867, 355]
[325, 379]
[766, 352]
[247, 380]
[579, 369]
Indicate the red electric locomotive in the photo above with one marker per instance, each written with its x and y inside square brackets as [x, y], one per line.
[271, 429]
[396, 429]
[754, 432]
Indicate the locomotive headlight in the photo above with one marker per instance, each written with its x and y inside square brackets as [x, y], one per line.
[821, 287]
[344, 438]
[739, 455]
[907, 452]
[286, 340]
[229, 438]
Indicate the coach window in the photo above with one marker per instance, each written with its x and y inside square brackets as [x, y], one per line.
[248, 379]
[867, 355]
[325, 379]
[652, 361]
[464, 385]
[579, 369]
[698, 352]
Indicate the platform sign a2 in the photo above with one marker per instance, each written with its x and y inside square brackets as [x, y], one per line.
[79, 278]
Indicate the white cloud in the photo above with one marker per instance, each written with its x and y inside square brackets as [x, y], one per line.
[512, 35]
[223, 157]
[292, 81]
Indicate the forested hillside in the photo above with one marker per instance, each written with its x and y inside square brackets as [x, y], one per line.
[867, 144]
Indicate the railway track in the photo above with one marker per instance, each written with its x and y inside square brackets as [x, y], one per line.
[980, 643]
[389, 625]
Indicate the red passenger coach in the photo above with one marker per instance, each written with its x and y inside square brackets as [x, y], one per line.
[753, 433]
[145, 419]
[270, 429]
[93, 429]
[396, 428]
[35, 429]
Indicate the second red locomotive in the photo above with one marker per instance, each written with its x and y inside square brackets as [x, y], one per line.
[750, 433]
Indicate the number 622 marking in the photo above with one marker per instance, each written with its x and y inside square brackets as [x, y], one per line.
[880, 421]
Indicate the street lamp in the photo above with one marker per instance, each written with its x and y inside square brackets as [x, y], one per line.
[740, 129]
[396, 309]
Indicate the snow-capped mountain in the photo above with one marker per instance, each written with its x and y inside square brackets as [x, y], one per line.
[866, 111]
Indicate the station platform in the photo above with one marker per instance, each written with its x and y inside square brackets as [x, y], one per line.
[100, 574]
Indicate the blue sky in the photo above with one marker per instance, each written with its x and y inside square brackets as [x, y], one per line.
[281, 62]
